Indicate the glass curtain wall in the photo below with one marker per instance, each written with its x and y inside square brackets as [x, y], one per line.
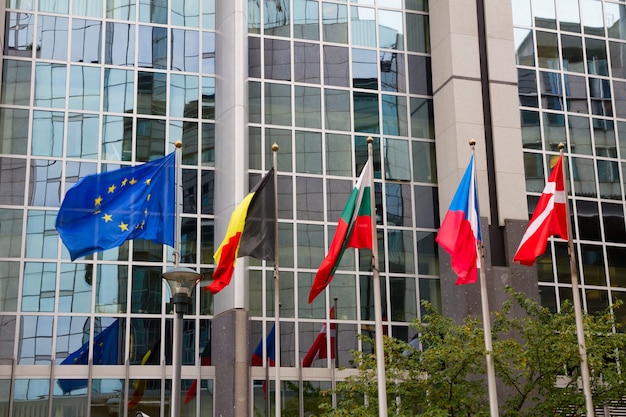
[572, 85]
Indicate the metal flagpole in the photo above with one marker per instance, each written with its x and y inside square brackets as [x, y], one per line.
[378, 315]
[276, 287]
[335, 361]
[584, 368]
[177, 329]
[491, 374]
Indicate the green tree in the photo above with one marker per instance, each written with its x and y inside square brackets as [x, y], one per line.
[536, 359]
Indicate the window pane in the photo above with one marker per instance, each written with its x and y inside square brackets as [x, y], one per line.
[277, 59]
[547, 50]
[395, 115]
[50, 85]
[426, 207]
[153, 11]
[306, 64]
[545, 14]
[397, 164]
[593, 19]
[84, 88]
[391, 30]
[41, 235]
[417, 33]
[185, 50]
[310, 244]
[588, 220]
[278, 104]
[336, 68]
[208, 53]
[576, 91]
[13, 131]
[277, 16]
[86, 41]
[184, 96]
[117, 138]
[35, 348]
[338, 155]
[427, 254]
[111, 288]
[19, 35]
[186, 13]
[422, 118]
[12, 181]
[15, 82]
[151, 93]
[597, 63]
[337, 108]
[156, 55]
[613, 220]
[531, 129]
[52, 37]
[307, 107]
[334, 22]
[524, 47]
[309, 152]
[310, 199]
[80, 135]
[364, 69]
[424, 162]
[392, 74]
[306, 19]
[150, 139]
[120, 44]
[569, 16]
[363, 24]
[366, 112]
[398, 199]
[121, 9]
[48, 128]
[403, 301]
[9, 281]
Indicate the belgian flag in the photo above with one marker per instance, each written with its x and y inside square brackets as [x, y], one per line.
[250, 232]
[151, 357]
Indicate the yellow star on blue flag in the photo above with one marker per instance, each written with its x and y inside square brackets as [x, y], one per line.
[103, 211]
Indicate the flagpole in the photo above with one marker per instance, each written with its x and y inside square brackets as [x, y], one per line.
[276, 287]
[335, 362]
[584, 368]
[378, 316]
[491, 374]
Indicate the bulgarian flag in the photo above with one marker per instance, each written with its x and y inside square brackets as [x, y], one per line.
[353, 231]
[549, 218]
[250, 233]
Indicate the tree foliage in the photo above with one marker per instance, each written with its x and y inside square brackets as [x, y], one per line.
[536, 359]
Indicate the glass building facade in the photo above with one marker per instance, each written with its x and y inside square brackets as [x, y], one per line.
[89, 86]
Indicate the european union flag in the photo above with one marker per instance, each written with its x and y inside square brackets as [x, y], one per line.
[102, 211]
[105, 350]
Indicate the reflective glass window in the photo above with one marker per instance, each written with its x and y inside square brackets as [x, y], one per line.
[13, 131]
[551, 90]
[613, 219]
[398, 199]
[335, 22]
[10, 234]
[254, 57]
[554, 129]
[604, 138]
[146, 290]
[585, 185]
[189, 240]
[397, 162]
[187, 132]
[277, 16]
[593, 265]
[366, 112]
[207, 187]
[531, 129]
[185, 13]
[395, 120]
[12, 181]
[417, 5]
[282, 138]
[402, 294]
[117, 137]
[390, 29]
[45, 184]
[111, 288]
[9, 281]
[208, 144]
[424, 162]
[592, 17]
[420, 75]
[84, 88]
[86, 41]
[309, 152]
[277, 59]
[185, 50]
[153, 11]
[306, 65]
[48, 130]
[50, 85]
[208, 53]
[580, 135]
[364, 69]
[422, 122]
[208, 98]
[54, 6]
[80, 135]
[119, 94]
[597, 63]
[35, 348]
[19, 34]
[254, 102]
[336, 68]
[524, 47]
[254, 147]
[338, 192]
[363, 26]
[600, 94]
[614, 16]
[342, 291]
[151, 93]
[547, 50]
[572, 50]
[307, 107]
[121, 9]
[278, 104]
[619, 95]
[521, 13]
[119, 48]
[338, 155]
[545, 13]
[145, 335]
[92, 8]
[569, 15]
[150, 139]
[618, 63]
[52, 35]
[608, 178]
[616, 257]
[74, 171]
[527, 88]
[310, 245]
[576, 94]
[430, 290]
[154, 56]
[306, 18]
[309, 199]
[208, 14]
[254, 16]
[15, 82]
[392, 74]
[426, 207]
[39, 286]
[427, 254]
[41, 235]
[417, 33]
[184, 92]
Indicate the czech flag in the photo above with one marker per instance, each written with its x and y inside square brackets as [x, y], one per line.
[459, 234]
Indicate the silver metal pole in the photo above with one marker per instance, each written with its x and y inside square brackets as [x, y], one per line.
[276, 286]
[491, 374]
[177, 335]
[580, 332]
[378, 315]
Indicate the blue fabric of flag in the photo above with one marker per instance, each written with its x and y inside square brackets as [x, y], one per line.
[270, 345]
[103, 211]
[105, 351]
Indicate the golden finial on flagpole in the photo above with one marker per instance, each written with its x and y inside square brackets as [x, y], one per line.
[274, 147]
[178, 144]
